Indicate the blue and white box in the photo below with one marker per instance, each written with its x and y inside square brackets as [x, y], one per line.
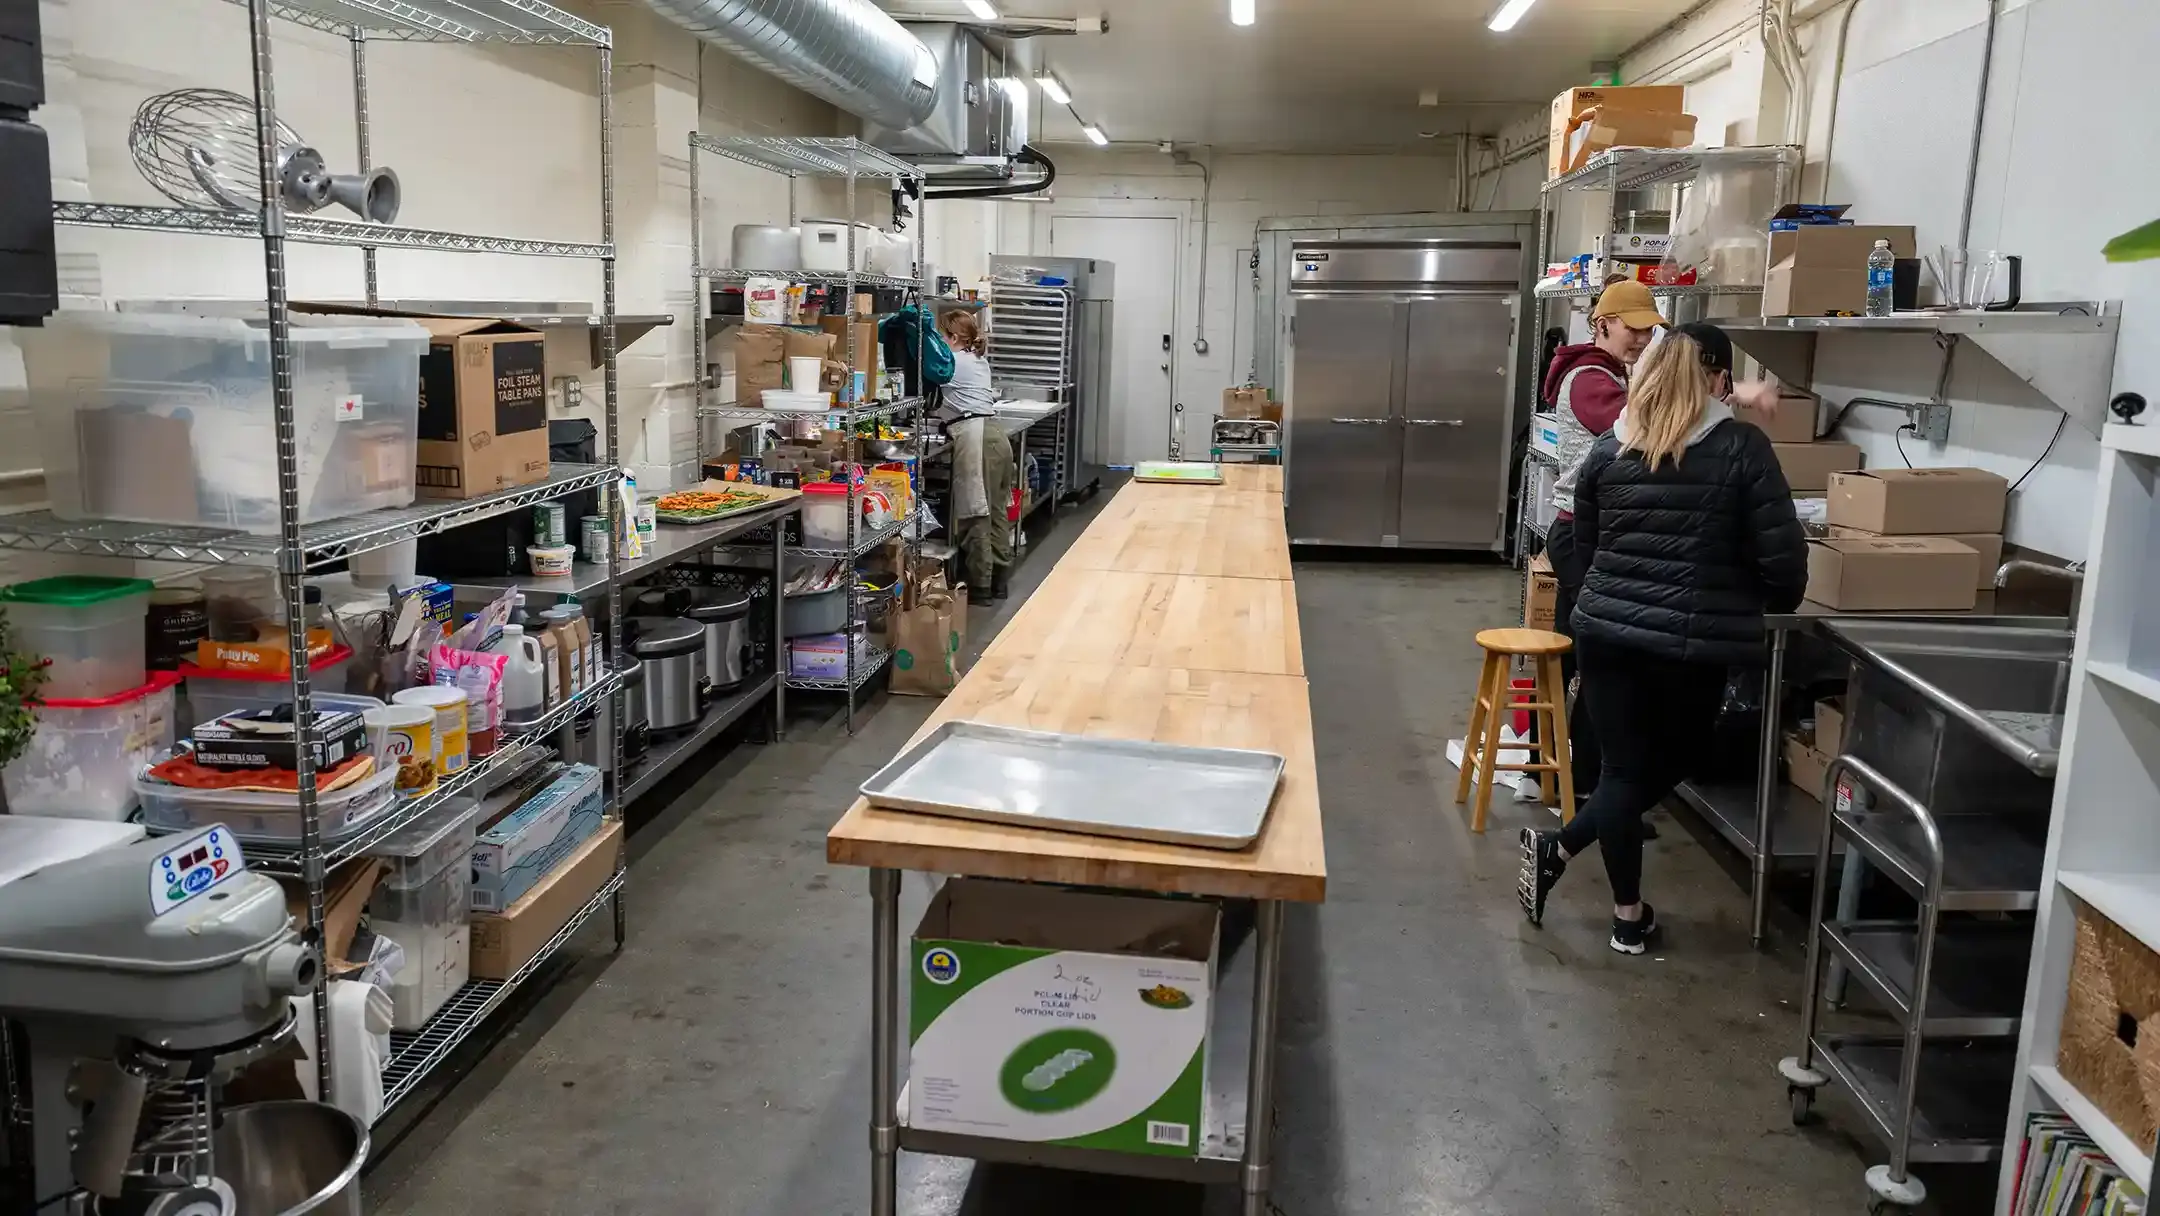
[522, 847]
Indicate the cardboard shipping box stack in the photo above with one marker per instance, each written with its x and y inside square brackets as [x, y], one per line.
[1808, 462]
[1249, 403]
[1961, 504]
[1818, 269]
[1541, 595]
[1639, 115]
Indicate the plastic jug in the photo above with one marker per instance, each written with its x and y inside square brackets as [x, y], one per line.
[524, 678]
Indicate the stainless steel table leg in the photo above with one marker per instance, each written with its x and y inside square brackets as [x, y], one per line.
[1260, 1084]
[1848, 911]
[884, 1028]
[779, 642]
[1766, 787]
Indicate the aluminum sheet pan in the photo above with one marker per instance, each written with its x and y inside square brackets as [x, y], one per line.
[1189, 472]
[1213, 797]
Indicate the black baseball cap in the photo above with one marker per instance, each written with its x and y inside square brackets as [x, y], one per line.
[1717, 352]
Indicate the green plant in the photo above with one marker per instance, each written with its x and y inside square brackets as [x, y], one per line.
[2136, 245]
[22, 676]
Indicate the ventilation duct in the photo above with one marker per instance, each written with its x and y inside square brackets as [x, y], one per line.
[845, 51]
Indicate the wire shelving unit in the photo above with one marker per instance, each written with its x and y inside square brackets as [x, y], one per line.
[298, 549]
[849, 160]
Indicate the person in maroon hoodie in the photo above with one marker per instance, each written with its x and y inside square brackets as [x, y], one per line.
[1586, 387]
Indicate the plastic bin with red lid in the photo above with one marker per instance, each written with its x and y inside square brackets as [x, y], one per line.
[825, 515]
[82, 761]
[214, 692]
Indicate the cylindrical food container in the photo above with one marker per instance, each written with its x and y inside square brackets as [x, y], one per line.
[551, 561]
[804, 372]
[88, 629]
[449, 706]
[179, 619]
[551, 524]
[410, 731]
[593, 537]
[648, 519]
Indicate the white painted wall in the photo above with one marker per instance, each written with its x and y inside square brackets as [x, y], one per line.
[2056, 180]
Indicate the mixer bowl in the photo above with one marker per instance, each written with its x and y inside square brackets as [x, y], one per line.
[288, 1158]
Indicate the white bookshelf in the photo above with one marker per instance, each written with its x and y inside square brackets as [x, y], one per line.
[2104, 842]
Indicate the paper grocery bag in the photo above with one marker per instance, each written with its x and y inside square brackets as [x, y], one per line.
[927, 640]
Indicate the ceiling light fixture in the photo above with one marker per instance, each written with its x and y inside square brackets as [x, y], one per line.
[983, 11]
[1242, 12]
[1095, 135]
[1054, 89]
[1504, 20]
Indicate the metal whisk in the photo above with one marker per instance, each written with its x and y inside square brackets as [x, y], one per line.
[198, 148]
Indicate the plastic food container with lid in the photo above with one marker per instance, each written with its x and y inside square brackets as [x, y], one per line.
[164, 417]
[825, 515]
[89, 629]
[213, 692]
[422, 904]
[80, 763]
[261, 816]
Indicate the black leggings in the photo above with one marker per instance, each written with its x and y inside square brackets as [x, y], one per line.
[1568, 571]
[1651, 714]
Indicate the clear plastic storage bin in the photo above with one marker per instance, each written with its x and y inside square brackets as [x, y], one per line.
[88, 628]
[264, 817]
[82, 760]
[422, 904]
[419, 851]
[825, 515]
[213, 692]
[166, 418]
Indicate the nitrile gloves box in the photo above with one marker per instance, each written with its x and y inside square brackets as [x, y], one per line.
[519, 849]
[1062, 1017]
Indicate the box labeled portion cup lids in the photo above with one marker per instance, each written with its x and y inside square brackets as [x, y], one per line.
[1919, 502]
[1061, 1017]
[1892, 572]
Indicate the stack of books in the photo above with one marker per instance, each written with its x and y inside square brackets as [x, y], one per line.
[2063, 1173]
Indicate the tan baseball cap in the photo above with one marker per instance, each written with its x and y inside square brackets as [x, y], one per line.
[1630, 303]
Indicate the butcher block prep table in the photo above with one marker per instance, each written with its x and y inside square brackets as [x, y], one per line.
[1171, 620]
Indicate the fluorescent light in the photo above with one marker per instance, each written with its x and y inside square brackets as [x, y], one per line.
[1095, 134]
[1054, 89]
[1241, 12]
[983, 11]
[1510, 12]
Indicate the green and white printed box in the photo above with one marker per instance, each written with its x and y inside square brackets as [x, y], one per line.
[1064, 1017]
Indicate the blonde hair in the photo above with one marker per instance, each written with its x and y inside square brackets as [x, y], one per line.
[1665, 399]
[962, 330]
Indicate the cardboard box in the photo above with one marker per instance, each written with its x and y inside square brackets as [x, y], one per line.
[512, 855]
[504, 942]
[1062, 1017]
[1818, 269]
[1829, 727]
[1652, 246]
[1809, 466]
[1541, 595]
[1808, 768]
[1989, 545]
[1920, 502]
[1244, 402]
[1604, 128]
[1790, 420]
[1572, 104]
[339, 735]
[867, 346]
[483, 407]
[1893, 572]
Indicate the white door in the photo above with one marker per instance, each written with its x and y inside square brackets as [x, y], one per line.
[1135, 425]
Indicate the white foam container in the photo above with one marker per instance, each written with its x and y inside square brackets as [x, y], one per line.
[162, 417]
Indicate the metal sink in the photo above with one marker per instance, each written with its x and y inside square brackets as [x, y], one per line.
[2006, 680]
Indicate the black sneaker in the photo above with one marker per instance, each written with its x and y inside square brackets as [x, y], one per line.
[1649, 829]
[1633, 936]
[1542, 866]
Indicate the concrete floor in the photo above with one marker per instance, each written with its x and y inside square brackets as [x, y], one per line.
[1440, 1057]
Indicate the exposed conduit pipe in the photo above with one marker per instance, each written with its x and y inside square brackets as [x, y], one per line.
[1207, 191]
[1837, 86]
[847, 52]
[1972, 166]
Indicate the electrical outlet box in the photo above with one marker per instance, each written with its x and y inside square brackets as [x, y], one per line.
[572, 391]
[1930, 422]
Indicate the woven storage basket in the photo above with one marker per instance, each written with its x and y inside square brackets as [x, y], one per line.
[2110, 1047]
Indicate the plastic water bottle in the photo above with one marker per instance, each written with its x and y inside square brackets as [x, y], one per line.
[1881, 279]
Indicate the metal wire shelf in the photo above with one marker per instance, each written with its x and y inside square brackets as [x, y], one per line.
[287, 860]
[862, 413]
[839, 156]
[413, 1056]
[1681, 290]
[498, 21]
[322, 544]
[861, 278]
[1638, 168]
[313, 230]
[864, 542]
[871, 660]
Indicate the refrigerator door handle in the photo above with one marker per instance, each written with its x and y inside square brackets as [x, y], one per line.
[1437, 422]
[1360, 421]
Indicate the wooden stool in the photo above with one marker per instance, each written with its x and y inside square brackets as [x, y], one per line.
[1489, 707]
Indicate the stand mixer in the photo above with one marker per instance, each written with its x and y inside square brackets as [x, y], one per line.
[143, 978]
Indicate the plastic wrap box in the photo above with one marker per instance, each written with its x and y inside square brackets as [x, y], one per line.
[521, 847]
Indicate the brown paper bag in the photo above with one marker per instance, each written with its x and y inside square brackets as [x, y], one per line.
[927, 641]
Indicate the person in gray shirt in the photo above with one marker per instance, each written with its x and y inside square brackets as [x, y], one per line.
[983, 471]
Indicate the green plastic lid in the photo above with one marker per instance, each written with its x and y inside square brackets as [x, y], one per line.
[74, 590]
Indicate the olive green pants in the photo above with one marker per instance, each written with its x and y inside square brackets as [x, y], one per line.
[986, 541]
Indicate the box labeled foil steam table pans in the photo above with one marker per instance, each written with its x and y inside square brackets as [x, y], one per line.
[1213, 797]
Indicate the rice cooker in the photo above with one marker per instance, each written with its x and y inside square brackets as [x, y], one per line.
[594, 733]
[671, 650]
[725, 616]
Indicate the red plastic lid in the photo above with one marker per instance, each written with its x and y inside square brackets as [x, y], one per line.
[825, 487]
[158, 680]
[336, 654]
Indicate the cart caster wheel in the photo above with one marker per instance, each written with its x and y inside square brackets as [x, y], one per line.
[1803, 1104]
[1883, 1207]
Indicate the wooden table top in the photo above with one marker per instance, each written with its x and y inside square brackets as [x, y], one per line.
[1246, 476]
[1173, 619]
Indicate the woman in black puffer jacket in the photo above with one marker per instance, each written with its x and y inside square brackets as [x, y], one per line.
[1690, 534]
